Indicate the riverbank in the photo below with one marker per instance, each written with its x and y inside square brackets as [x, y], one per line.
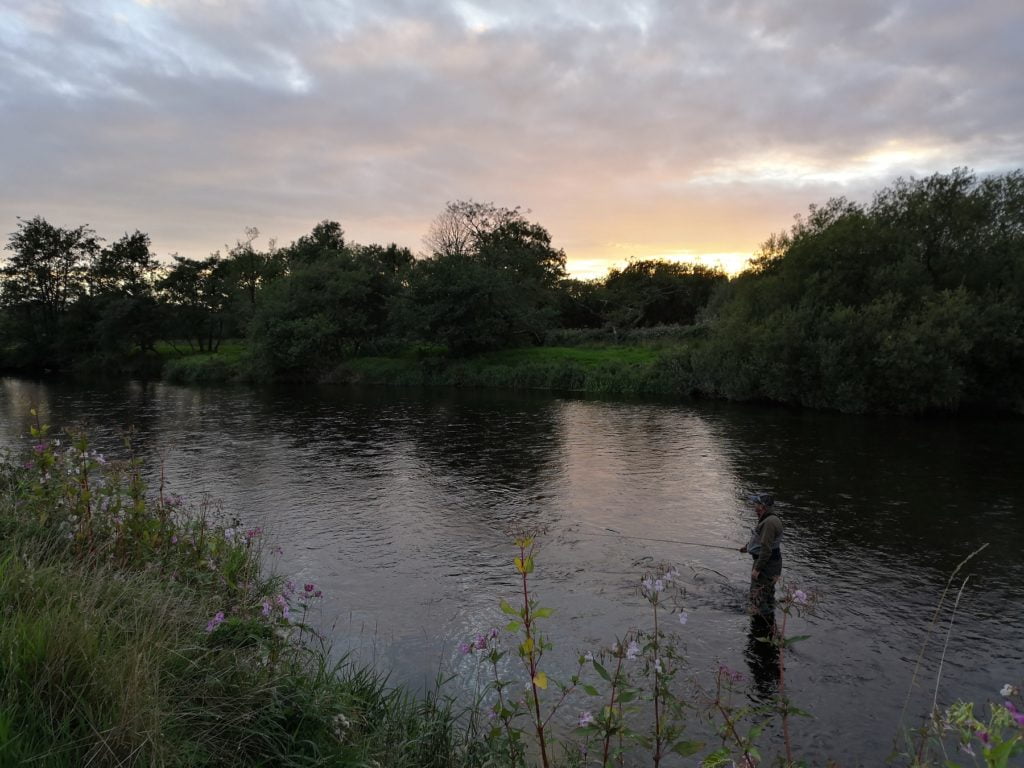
[140, 631]
[607, 369]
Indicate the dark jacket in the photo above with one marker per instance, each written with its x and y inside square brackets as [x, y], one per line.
[765, 540]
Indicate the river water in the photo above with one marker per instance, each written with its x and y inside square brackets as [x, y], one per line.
[398, 504]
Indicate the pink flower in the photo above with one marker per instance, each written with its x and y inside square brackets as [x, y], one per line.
[585, 719]
[464, 648]
[309, 587]
[481, 642]
[215, 622]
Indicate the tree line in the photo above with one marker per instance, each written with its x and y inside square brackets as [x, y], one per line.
[491, 279]
[913, 302]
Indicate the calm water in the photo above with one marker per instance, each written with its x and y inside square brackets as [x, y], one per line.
[397, 504]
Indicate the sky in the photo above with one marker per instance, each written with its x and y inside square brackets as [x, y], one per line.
[679, 129]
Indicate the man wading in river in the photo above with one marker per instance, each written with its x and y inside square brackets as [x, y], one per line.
[764, 547]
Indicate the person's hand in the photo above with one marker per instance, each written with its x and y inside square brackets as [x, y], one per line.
[754, 574]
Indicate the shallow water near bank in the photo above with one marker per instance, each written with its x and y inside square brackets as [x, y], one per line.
[398, 504]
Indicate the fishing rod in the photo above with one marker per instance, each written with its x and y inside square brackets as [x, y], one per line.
[620, 535]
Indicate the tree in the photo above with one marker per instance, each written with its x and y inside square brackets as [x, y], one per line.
[327, 240]
[42, 278]
[650, 292]
[120, 314]
[490, 282]
[198, 294]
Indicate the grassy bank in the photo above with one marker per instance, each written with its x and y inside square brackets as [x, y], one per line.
[184, 365]
[605, 369]
[140, 631]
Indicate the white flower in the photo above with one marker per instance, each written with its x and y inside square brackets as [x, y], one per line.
[586, 719]
[671, 574]
[632, 650]
[800, 597]
[1007, 690]
[683, 617]
[588, 656]
[659, 585]
[657, 666]
[647, 584]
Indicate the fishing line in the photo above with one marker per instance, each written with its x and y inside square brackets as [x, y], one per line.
[617, 535]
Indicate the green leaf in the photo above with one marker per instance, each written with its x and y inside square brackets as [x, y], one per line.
[627, 696]
[795, 639]
[506, 608]
[513, 626]
[602, 671]
[687, 748]
[528, 565]
[542, 613]
[590, 690]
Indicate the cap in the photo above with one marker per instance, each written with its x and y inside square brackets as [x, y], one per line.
[763, 498]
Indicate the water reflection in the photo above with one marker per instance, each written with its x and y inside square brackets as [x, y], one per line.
[762, 657]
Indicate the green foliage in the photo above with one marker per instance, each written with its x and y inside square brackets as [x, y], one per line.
[650, 292]
[140, 630]
[490, 283]
[913, 303]
[325, 309]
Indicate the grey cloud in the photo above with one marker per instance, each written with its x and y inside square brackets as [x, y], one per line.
[212, 116]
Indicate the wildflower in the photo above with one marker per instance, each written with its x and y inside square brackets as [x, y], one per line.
[585, 719]
[39, 447]
[588, 656]
[229, 534]
[647, 584]
[282, 601]
[1007, 690]
[29, 465]
[289, 587]
[339, 725]
[464, 648]
[671, 574]
[253, 533]
[215, 622]
[318, 593]
[493, 634]
[174, 539]
[985, 739]
[730, 674]
[657, 667]
[632, 650]
[659, 585]
[309, 587]
[1018, 717]
[480, 642]
[683, 617]
[800, 597]
[267, 607]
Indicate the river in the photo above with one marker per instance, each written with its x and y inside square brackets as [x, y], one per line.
[397, 504]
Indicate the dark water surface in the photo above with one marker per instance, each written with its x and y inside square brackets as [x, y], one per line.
[396, 503]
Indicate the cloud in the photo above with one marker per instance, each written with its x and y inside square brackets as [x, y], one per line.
[675, 127]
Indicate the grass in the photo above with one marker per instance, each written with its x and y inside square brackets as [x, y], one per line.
[138, 631]
[183, 365]
[605, 369]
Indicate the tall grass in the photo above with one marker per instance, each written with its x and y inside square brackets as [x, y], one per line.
[139, 631]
